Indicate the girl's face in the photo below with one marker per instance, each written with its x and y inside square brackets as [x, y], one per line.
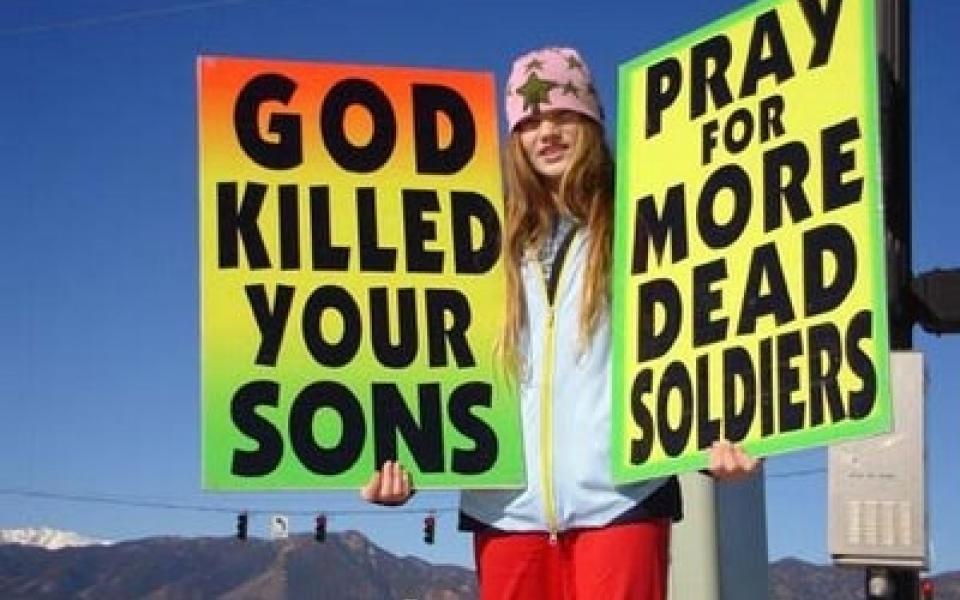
[549, 141]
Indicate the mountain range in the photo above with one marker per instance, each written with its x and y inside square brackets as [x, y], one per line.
[346, 566]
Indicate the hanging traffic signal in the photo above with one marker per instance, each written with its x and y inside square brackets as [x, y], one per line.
[936, 297]
[429, 528]
[320, 531]
[242, 526]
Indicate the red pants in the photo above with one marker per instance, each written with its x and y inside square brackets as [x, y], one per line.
[619, 562]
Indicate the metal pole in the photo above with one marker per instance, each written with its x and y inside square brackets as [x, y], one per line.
[893, 40]
[719, 549]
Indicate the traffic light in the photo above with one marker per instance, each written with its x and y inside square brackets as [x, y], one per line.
[429, 528]
[937, 297]
[926, 589]
[242, 526]
[320, 531]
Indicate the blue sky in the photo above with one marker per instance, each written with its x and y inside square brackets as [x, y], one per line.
[99, 319]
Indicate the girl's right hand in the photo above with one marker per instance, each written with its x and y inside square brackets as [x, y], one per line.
[390, 486]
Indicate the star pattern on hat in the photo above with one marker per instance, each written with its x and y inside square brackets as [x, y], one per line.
[535, 64]
[574, 63]
[569, 89]
[535, 91]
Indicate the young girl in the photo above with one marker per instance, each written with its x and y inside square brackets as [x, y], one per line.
[571, 533]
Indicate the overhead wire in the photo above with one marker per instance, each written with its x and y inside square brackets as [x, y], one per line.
[117, 500]
[131, 15]
[798, 473]
[170, 505]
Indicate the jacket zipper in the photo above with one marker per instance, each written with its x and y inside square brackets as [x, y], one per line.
[546, 427]
[546, 391]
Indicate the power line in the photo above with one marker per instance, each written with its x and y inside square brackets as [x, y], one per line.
[116, 500]
[798, 473]
[168, 505]
[132, 15]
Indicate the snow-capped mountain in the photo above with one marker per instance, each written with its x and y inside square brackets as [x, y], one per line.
[45, 537]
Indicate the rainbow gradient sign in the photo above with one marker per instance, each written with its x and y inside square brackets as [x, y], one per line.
[351, 284]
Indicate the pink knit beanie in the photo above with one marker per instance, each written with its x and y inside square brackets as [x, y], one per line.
[550, 79]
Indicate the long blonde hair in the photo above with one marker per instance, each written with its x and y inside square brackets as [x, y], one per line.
[586, 195]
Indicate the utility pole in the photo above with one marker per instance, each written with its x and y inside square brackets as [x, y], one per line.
[893, 42]
[719, 549]
[931, 299]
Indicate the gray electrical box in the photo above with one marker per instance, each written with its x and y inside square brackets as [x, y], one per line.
[877, 512]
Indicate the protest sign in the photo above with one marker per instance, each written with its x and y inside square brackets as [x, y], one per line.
[749, 279]
[350, 276]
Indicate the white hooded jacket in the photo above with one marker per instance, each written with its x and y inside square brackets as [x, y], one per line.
[565, 395]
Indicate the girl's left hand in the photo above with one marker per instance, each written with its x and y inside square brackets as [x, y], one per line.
[728, 462]
[390, 486]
